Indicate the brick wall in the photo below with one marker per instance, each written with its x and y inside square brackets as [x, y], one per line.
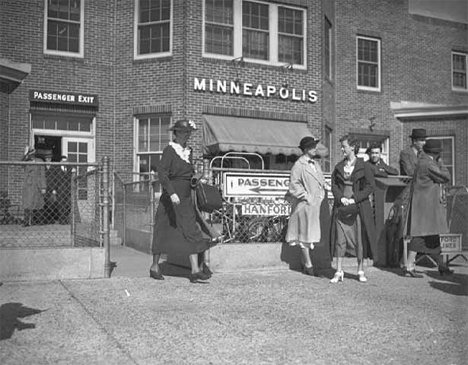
[416, 66]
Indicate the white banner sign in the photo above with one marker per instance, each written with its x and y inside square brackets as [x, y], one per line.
[255, 184]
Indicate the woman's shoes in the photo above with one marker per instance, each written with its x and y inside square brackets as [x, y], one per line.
[339, 276]
[308, 271]
[444, 270]
[194, 278]
[156, 275]
[206, 270]
[362, 277]
[411, 273]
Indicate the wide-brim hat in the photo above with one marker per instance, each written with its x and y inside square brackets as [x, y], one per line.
[184, 125]
[433, 146]
[418, 133]
[307, 143]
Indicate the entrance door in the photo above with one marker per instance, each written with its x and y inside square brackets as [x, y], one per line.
[80, 150]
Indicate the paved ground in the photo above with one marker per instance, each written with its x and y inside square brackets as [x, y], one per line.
[269, 317]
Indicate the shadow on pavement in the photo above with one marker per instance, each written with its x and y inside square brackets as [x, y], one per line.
[455, 284]
[9, 318]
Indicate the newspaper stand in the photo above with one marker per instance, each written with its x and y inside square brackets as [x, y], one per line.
[387, 190]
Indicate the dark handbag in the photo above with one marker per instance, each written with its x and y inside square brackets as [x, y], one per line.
[208, 197]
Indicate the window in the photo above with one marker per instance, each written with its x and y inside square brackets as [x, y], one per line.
[63, 27]
[153, 33]
[459, 67]
[152, 135]
[219, 27]
[257, 31]
[327, 167]
[327, 43]
[447, 155]
[368, 63]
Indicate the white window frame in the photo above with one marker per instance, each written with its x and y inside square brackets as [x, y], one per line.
[456, 88]
[379, 64]
[79, 54]
[137, 56]
[329, 54]
[136, 153]
[452, 166]
[273, 32]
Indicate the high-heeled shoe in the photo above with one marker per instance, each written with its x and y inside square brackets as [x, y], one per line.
[411, 273]
[308, 271]
[156, 275]
[198, 276]
[444, 270]
[206, 270]
[362, 277]
[339, 275]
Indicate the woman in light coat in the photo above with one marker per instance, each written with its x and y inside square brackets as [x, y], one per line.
[306, 192]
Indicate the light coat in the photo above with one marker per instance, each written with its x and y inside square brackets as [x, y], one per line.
[306, 193]
[428, 213]
[34, 183]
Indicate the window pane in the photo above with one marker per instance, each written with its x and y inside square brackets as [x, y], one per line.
[73, 147]
[219, 11]
[290, 50]
[367, 50]
[143, 135]
[83, 147]
[290, 21]
[144, 164]
[255, 44]
[219, 40]
[367, 75]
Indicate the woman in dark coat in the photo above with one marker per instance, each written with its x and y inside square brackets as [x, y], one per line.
[176, 220]
[353, 227]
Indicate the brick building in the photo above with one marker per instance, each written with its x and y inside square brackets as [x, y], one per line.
[91, 78]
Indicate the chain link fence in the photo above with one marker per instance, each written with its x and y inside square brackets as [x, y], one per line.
[50, 204]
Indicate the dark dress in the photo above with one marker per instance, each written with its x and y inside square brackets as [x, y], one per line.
[353, 228]
[176, 224]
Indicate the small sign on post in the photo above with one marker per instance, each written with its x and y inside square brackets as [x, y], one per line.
[255, 185]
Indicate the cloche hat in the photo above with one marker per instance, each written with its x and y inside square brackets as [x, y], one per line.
[433, 146]
[307, 143]
[183, 125]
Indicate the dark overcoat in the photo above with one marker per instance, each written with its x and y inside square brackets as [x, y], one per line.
[363, 186]
[428, 214]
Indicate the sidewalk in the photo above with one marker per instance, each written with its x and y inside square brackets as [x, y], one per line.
[262, 317]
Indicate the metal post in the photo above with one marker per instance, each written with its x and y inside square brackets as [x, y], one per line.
[105, 215]
[73, 206]
[151, 192]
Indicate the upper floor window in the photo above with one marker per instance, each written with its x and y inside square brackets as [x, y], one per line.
[151, 136]
[327, 45]
[459, 67]
[368, 63]
[448, 155]
[257, 31]
[153, 28]
[64, 27]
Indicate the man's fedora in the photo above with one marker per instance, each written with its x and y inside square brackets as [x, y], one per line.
[418, 133]
[433, 146]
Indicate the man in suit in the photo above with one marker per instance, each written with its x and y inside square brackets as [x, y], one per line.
[409, 156]
[378, 166]
[427, 213]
